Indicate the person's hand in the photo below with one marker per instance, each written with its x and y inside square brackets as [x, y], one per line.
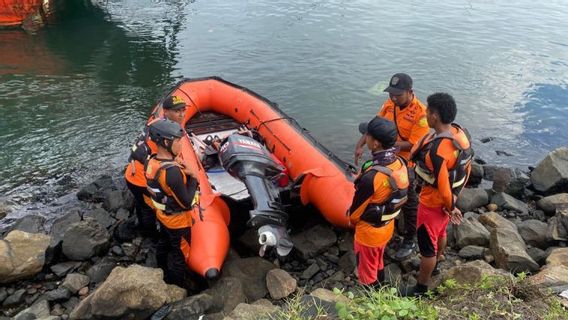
[358, 154]
[456, 216]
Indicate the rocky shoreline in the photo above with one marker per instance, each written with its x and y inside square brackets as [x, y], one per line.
[90, 263]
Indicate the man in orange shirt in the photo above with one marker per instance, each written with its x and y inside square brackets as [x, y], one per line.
[409, 116]
[443, 163]
[381, 189]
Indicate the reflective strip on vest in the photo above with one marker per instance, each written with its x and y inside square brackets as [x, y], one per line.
[387, 217]
[159, 206]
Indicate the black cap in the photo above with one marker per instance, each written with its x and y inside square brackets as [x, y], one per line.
[173, 103]
[381, 129]
[399, 83]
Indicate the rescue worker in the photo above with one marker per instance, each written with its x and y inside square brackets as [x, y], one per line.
[174, 109]
[173, 186]
[443, 164]
[381, 190]
[409, 116]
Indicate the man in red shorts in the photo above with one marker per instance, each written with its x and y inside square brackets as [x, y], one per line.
[443, 163]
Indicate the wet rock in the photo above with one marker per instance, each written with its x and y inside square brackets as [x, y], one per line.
[314, 241]
[38, 310]
[85, 239]
[245, 311]
[116, 199]
[103, 217]
[57, 231]
[393, 274]
[471, 232]
[558, 256]
[75, 281]
[126, 231]
[551, 203]
[57, 295]
[551, 174]
[517, 186]
[100, 271]
[472, 252]
[280, 284]
[310, 271]
[538, 255]
[509, 251]
[122, 214]
[15, 298]
[501, 178]
[3, 294]
[471, 199]
[328, 295]
[190, 308]
[505, 201]
[251, 272]
[534, 233]
[227, 293]
[472, 272]
[134, 292]
[551, 278]
[29, 224]
[5, 208]
[95, 191]
[63, 268]
[347, 262]
[493, 220]
[22, 255]
[476, 175]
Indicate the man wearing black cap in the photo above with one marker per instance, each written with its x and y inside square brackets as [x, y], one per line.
[409, 116]
[174, 109]
[380, 192]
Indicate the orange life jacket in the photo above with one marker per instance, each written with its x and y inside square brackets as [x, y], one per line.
[140, 152]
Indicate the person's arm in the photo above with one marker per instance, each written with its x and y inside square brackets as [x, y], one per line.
[359, 149]
[183, 193]
[363, 193]
[403, 145]
[440, 166]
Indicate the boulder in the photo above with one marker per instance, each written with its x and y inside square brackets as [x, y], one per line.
[85, 239]
[471, 199]
[551, 203]
[551, 174]
[100, 270]
[116, 199]
[310, 271]
[509, 251]
[501, 178]
[126, 230]
[103, 217]
[251, 272]
[22, 255]
[29, 224]
[96, 190]
[493, 220]
[314, 241]
[471, 232]
[472, 272]
[558, 226]
[280, 284]
[251, 311]
[517, 186]
[63, 268]
[75, 282]
[347, 262]
[57, 295]
[328, 295]
[133, 292]
[58, 229]
[553, 278]
[313, 307]
[472, 252]
[476, 175]
[38, 310]
[15, 298]
[505, 201]
[227, 293]
[558, 256]
[538, 255]
[534, 233]
[393, 274]
[190, 308]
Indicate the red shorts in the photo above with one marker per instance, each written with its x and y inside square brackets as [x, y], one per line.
[431, 224]
[369, 262]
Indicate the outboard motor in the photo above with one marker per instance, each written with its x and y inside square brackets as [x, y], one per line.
[249, 161]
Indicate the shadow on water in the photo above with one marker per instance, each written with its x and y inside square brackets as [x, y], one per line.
[70, 93]
[544, 119]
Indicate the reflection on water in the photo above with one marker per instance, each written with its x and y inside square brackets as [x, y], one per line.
[74, 95]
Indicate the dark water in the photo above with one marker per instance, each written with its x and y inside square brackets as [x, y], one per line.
[74, 95]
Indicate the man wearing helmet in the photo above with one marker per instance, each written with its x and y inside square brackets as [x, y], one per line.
[174, 109]
[173, 186]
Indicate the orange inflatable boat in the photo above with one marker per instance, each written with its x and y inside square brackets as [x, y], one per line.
[246, 147]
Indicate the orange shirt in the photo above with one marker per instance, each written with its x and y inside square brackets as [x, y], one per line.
[411, 121]
[373, 188]
[440, 164]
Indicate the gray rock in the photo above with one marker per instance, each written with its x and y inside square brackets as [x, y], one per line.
[38, 310]
[314, 241]
[551, 203]
[249, 240]
[310, 271]
[58, 229]
[472, 252]
[103, 217]
[126, 230]
[501, 178]
[347, 262]
[346, 242]
[57, 295]
[22, 255]
[95, 191]
[471, 199]
[63, 268]
[313, 306]
[3, 294]
[14, 299]
[85, 239]
[330, 296]
[551, 174]
[510, 252]
[553, 278]
[558, 226]
[227, 293]
[245, 311]
[493, 220]
[191, 307]
[71, 303]
[558, 256]
[393, 273]
[251, 272]
[472, 272]
[534, 233]
[517, 187]
[117, 199]
[75, 281]
[538, 255]
[471, 232]
[280, 284]
[29, 224]
[505, 201]
[100, 271]
[133, 292]
[489, 172]
[476, 174]
[122, 214]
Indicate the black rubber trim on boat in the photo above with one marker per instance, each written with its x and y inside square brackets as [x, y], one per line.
[347, 168]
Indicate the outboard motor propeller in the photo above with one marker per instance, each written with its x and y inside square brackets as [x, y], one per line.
[249, 161]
